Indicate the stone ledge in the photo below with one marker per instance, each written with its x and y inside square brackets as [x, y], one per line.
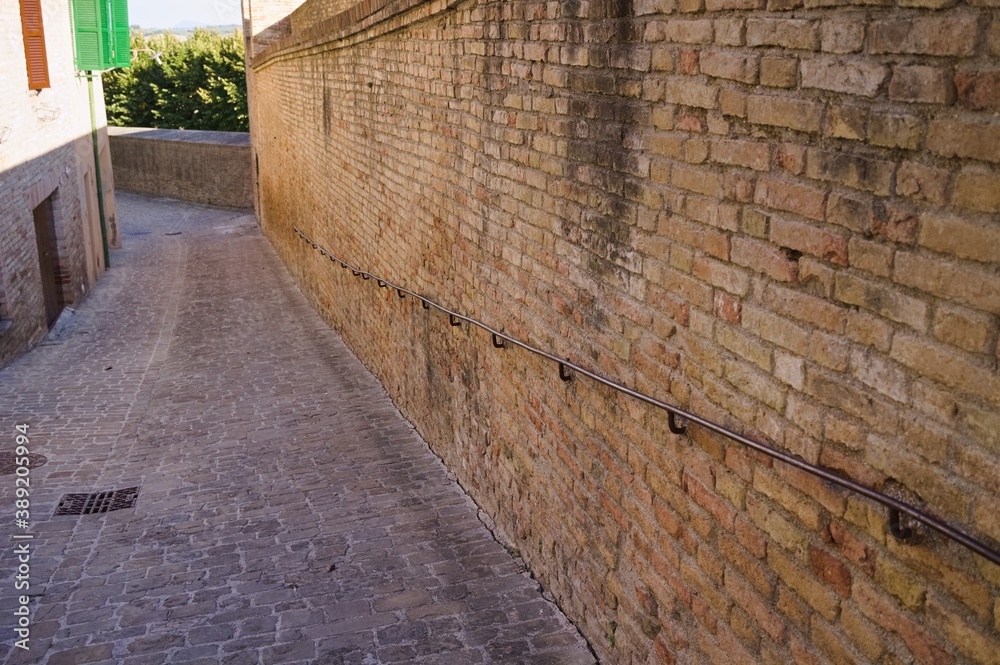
[376, 17]
[184, 135]
[206, 167]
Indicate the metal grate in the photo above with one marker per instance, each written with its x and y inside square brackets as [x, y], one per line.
[97, 502]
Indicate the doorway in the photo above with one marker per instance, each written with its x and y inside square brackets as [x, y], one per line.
[48, 260]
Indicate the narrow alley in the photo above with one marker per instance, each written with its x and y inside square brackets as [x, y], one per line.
[286, 511]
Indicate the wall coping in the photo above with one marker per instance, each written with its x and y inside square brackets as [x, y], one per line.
[372, 17]
[181, 135]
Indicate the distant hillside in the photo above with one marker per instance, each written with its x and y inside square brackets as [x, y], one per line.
[185, 29]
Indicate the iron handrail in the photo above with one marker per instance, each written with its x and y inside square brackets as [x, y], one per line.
[500, 339]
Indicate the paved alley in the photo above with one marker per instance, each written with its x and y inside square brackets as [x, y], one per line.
[286, 513]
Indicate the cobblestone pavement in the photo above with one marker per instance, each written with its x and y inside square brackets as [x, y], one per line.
[287, 513]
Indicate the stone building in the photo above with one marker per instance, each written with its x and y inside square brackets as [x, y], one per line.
[53, 195]
[780, 216]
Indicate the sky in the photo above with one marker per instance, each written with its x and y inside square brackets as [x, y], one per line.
[160, 14]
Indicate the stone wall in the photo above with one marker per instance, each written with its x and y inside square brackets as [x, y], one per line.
[781, 218]
[212, 168]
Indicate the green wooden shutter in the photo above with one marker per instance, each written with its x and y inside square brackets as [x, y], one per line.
[120, 32]
[107, 36]
[34, 44]
[91, 34]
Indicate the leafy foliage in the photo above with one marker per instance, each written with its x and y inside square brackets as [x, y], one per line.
[199, 83]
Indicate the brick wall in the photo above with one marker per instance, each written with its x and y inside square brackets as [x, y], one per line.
[213, 168]
[46, 149]
[779, 215]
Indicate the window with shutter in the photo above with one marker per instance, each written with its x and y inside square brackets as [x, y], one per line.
[34, 44]
[120, 33]
[102, 34]
[90, 38]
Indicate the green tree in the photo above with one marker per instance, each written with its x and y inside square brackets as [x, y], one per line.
[199, 83]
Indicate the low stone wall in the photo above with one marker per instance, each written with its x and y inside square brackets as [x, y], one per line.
[213, 168]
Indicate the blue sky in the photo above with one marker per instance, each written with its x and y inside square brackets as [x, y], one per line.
[160, 14]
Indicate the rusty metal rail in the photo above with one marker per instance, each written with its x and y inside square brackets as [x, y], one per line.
[567, 368]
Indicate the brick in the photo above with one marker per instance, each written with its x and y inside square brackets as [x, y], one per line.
[853, 547]
[723, 5]
[927, 35]
[978, 90]
[774, 524]
[895, 223]
[855, 78]
[779, 71]
[829, 351]
[756, 384]
[976, 643]
[755, 223]
[954, 138]
[802, 508]
[841, 35]
[949, 367]
[921, 83]
[877, 373]
[691, 93]
[749, 154]
[798, 198]
[861, 633]
[809, 239]
[846, 122]
[722, 275]
[960, 237]
[744, 595]
[696, 31]
[962, 328]
[923, 183]
[834, 393]
[928, 4]
[764, 258]
[729, 31]
[851, 170]
[868, 329]
[798, 114]
[787, 33]
[829, 641]
[884, 613]
[976, 189]
[971, 285]
[805, 585]
[805, 307]
[776, 329]
[882, 299]
[696, 180]
[727, 307]
[871, 257]
[733, 102]
[895, 131]
[731, 65]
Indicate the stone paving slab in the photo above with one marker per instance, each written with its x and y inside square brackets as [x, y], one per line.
[287, 512]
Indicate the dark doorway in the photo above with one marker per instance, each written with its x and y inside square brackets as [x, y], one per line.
[48, 260]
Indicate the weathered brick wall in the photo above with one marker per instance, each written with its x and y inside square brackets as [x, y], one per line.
[46, 149]
[781, 217]
[213, 168]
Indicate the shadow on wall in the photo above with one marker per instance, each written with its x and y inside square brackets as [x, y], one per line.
[54, 244]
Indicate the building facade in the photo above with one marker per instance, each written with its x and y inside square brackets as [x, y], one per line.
[57, 204]
[781, 216]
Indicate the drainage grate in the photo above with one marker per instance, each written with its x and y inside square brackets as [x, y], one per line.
[97, 502]
[8, 462]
